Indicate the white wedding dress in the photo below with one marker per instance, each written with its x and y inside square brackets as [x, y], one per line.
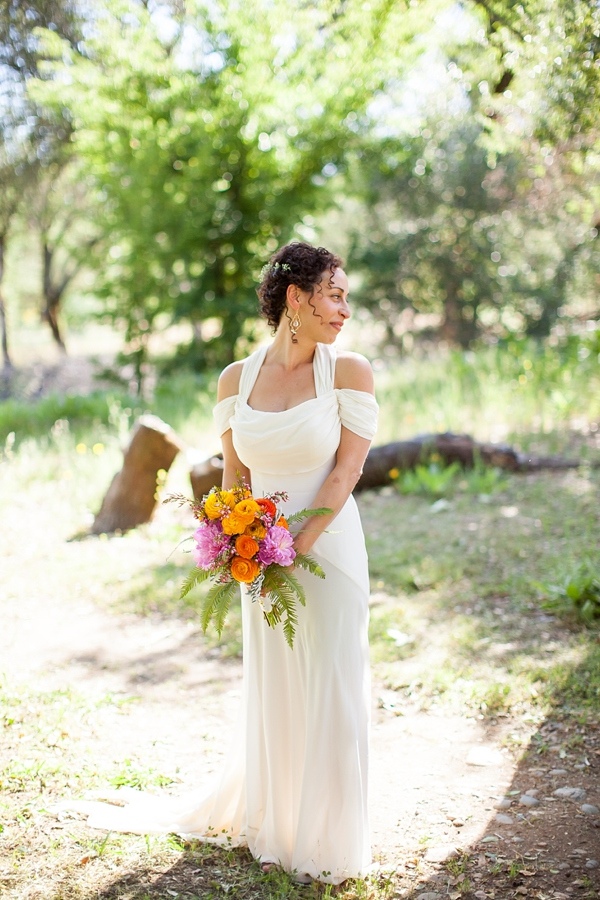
[294, 787]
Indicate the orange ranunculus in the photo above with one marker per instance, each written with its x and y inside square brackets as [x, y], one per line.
[218, 503]
[256, 530]
[247, 509]
[246, 546]
[244, 570]
[282, 522]
[233, 524]
[267, 505]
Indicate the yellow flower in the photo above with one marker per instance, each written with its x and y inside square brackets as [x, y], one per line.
[218, 503]
[256, 530]
[247, 509]
[233, 524]
[394, 473]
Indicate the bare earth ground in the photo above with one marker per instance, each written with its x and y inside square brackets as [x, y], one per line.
[155, 694]
[435, 777]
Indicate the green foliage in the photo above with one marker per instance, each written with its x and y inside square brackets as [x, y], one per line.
[519, 387]
[452, 237]
[434, 479]
[206, 151]
[307, 514]
[215, 604]
[196, 576]
[545, 52]
[283, 590]
[81, 411]
[133, 776]
[302, 561]
[431, 479]
[577, 594]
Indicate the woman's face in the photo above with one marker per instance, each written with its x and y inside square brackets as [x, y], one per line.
[324, 313]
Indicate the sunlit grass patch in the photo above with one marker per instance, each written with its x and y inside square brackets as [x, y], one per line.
[468, 577]
[495, 393]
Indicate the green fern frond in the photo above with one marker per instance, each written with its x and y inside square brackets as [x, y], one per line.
[311, 565]
[196, 576]
[307, 513]
[216, 605]
[285, 591]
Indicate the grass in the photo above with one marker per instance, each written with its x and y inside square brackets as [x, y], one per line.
[475, 603]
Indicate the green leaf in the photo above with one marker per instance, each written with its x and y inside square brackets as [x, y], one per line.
[216, 604]
[196, 576]
[284, 591]
[307, 562]
[308, 513]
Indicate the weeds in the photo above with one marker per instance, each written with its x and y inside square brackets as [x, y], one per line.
[577, 595]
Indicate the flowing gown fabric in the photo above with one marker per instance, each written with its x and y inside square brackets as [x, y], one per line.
[294, 787]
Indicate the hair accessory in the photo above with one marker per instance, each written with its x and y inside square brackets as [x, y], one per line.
[273, 268]
[294, 325]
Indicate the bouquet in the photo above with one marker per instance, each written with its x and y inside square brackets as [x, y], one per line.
[241, 539]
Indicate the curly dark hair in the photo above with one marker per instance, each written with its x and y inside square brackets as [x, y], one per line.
[296, 263]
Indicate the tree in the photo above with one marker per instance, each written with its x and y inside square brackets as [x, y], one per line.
[483, 210]
[61, 213]
[18, 168]
[546, 62]
[206, 149]
[29, 139]
[472, 243]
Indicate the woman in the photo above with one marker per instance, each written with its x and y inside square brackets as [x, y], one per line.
[295, 417]
[298, 417]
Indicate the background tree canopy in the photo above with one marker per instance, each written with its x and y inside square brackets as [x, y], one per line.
[169, 148]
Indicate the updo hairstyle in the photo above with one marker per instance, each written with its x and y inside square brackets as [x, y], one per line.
[296, 263]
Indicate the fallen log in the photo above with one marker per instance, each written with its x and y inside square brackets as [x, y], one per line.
[381, 460]
[450, 448]
[132, 495]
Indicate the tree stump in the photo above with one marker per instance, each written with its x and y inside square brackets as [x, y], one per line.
[132, 495]
[206, 474]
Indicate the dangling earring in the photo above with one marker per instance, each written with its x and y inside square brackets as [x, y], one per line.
[294, 325]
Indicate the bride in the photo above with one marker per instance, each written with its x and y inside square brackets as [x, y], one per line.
[295, 416]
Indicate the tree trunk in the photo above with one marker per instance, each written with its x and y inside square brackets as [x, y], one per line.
[6, 360]
[132, 495]
[52, 298]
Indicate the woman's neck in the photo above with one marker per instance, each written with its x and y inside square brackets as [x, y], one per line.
[287, 354]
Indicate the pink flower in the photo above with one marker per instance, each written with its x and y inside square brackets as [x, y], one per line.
[210, 544]
[277, 547]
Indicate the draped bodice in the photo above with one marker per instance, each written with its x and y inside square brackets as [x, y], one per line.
[303, 439]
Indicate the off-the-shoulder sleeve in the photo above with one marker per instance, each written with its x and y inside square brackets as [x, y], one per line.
[358, 411]
[223, 412]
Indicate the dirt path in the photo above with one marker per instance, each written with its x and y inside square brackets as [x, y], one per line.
[436, 778]
[422, 763]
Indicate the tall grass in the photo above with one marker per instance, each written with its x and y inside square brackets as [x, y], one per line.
[511, 391]
[519, 391]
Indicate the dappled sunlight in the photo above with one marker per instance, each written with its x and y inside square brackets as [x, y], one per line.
[109, 680]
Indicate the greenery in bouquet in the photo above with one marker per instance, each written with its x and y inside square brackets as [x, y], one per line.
[243, 540]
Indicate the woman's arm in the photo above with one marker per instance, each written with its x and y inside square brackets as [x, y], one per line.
[354, 372]
[336, 488]
[233, 468]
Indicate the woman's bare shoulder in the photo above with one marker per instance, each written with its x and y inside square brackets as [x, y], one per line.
[353, 371]
[229, 381]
